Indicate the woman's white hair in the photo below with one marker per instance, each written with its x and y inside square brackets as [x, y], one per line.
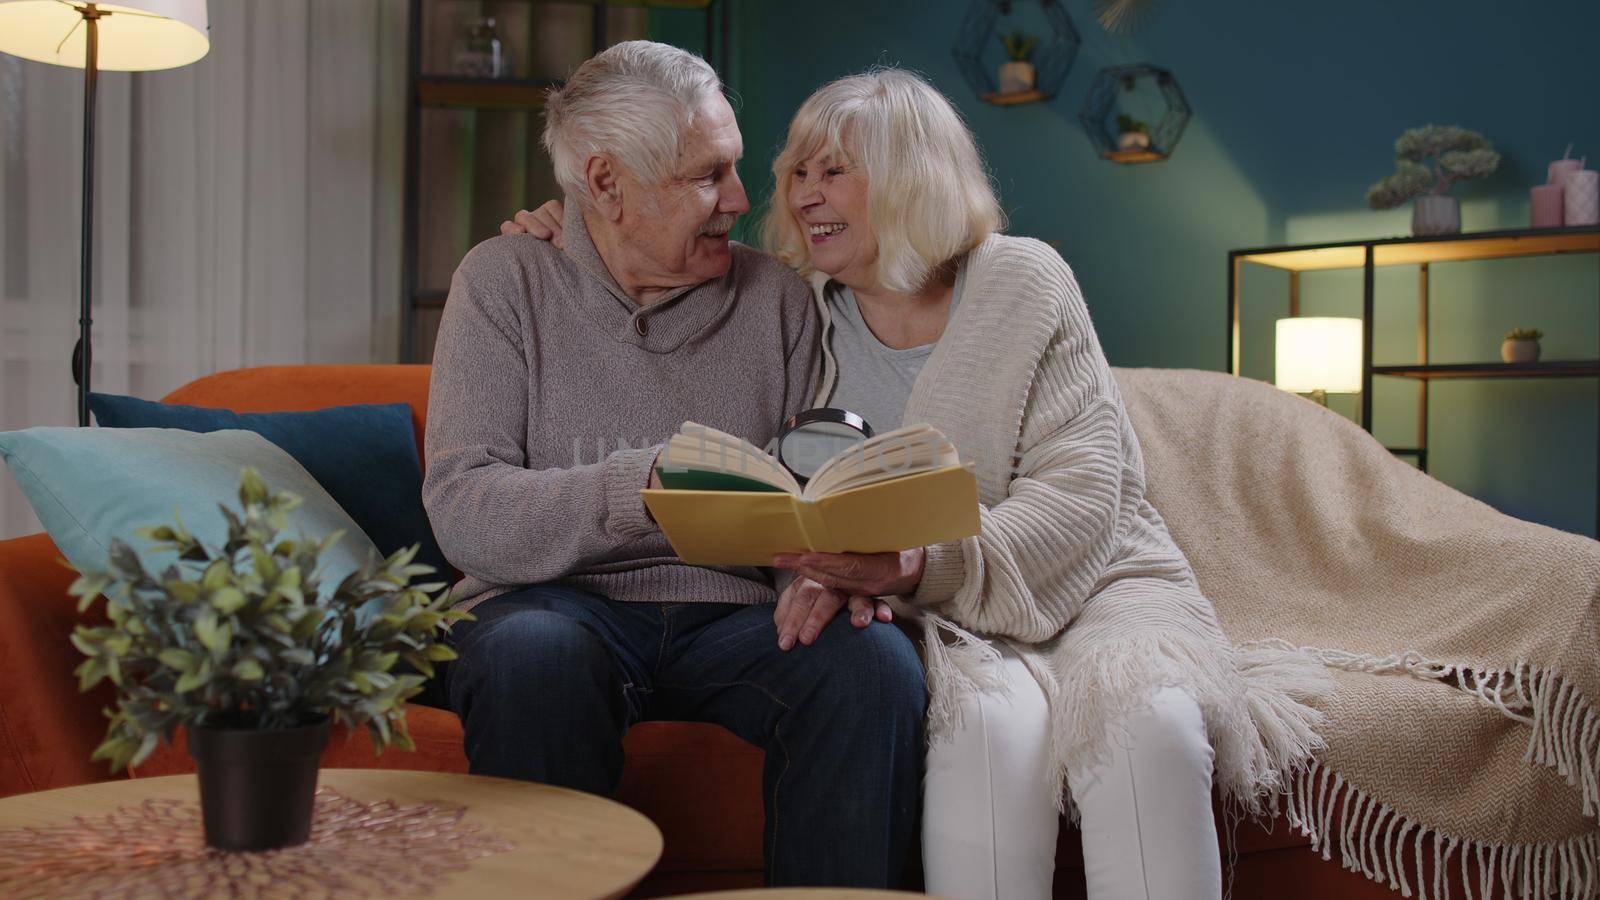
[928, 191]
[632, 102]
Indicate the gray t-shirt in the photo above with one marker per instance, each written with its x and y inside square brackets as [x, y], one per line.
[874, 379]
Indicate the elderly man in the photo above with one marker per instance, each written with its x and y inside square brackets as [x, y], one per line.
[556, 377]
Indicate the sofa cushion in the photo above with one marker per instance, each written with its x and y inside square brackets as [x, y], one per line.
[92, 485]
[364, 456]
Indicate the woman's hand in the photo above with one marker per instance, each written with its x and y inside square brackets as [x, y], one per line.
[869, 574]
[806, 607]
[543, 223]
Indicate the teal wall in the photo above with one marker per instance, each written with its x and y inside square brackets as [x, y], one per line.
[1297, 106]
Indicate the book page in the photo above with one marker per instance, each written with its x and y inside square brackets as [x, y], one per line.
[701, 448]
[895, 454]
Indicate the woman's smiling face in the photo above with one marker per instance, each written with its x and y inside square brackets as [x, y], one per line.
[827, 196]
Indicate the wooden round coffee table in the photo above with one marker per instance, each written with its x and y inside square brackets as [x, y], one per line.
[377, 832]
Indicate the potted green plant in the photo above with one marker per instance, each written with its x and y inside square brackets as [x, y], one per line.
[1017, 75]
[1132, 134]
[1521, 345]
[246, 648]
[1427, 161]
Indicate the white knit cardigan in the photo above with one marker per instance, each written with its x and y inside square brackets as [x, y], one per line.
[1073, 568]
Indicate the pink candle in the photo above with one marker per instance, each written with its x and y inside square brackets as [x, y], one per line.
[1560, 169]
[1547, 203]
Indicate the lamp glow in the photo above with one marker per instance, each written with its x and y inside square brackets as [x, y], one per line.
[135, 35]
[1319, 354]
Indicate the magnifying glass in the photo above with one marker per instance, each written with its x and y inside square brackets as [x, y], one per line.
[815, 436]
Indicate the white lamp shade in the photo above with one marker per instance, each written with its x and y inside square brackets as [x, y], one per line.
[1319, 354]
[134, 36]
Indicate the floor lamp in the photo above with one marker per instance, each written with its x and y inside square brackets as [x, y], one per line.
[129, 36]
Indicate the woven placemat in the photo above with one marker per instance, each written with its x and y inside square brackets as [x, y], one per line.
[157, 849]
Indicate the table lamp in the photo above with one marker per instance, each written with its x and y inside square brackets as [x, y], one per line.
[128, 36]
[1319, 356]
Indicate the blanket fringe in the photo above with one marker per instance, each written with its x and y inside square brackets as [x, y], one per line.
[1564, 734]
[1564, 725]
[1375, 839]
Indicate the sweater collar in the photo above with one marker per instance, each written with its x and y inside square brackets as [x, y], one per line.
[581, 249]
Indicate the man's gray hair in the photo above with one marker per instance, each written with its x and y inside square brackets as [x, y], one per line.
[631, 101]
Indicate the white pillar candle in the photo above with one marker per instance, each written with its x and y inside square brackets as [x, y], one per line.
[1582, 195]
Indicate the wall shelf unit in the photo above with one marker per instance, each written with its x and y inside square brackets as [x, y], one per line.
[483, 93]
[1015, 98]
[1133, 157]
[473, 151]
[1422, 252]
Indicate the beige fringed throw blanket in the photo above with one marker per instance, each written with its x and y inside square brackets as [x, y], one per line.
[1464, 734]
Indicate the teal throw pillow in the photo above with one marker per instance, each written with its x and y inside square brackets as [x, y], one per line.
[365, 455]
[90, 485]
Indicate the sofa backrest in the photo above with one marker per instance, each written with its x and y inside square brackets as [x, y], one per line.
[300, 388]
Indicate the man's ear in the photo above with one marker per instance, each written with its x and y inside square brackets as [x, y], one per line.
[601, 176]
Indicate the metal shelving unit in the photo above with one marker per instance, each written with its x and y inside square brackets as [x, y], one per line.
[1421, 252]
[435, 91]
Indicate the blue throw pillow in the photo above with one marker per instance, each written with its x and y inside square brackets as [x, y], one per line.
[364, 455]
[90, 485]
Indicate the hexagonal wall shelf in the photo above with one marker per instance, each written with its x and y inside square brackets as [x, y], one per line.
[1108, 117]
[1052, 57]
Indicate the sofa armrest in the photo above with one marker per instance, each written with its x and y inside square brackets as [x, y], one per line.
[47, 728]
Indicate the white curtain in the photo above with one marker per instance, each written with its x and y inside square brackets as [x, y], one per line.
[247, 210]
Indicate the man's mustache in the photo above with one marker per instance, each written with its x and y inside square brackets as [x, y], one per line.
[719, 224]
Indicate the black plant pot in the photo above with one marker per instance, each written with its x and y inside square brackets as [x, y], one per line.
[257, 787]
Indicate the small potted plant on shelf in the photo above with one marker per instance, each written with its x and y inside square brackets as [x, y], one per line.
[1427, 161]
[1017, 75]
[1132, 134]
[1521, 345]
[246, 648]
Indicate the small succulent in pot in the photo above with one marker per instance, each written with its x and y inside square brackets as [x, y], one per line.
[1521, 345]
[1132, 134]
[1017, 75]
[244, 646]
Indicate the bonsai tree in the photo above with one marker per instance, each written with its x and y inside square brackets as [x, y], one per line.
[246, 635]
[1019, 46]
[1431, 158]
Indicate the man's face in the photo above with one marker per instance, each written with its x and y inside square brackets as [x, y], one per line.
[677, 231]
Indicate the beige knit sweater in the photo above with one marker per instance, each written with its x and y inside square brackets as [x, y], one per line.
[1073, 568]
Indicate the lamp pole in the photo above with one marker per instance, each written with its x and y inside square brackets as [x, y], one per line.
[141, 36]
[81, 355]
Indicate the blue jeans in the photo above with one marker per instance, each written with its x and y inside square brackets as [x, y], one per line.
[550, 678]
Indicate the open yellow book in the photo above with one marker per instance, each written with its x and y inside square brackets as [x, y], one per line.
[725, 502]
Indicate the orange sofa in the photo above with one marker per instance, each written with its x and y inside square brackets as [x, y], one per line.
[698, 782]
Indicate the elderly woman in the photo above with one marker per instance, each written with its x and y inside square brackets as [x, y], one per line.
[1073, 661]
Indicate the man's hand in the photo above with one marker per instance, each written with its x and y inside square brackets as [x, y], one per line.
[869, 574]
[806, 607]
[543, 223]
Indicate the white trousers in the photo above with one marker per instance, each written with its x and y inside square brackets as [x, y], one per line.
[990, 825]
